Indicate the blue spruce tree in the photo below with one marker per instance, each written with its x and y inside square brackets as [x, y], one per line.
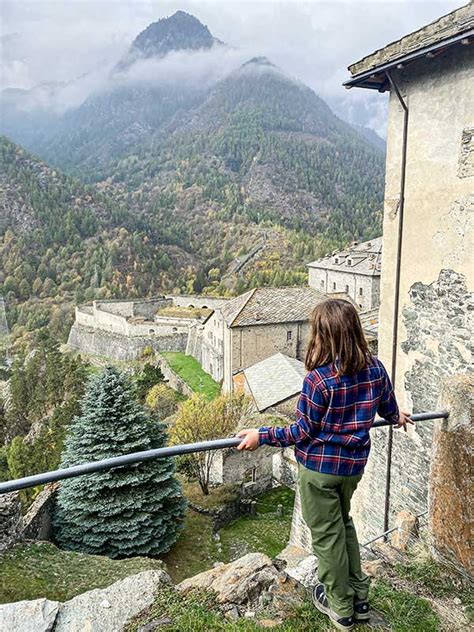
[131, 510]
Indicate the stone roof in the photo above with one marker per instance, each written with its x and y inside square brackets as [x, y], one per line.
[444, 28]
[370, 322]
[364, 258]
[274, 380]
[271, 305]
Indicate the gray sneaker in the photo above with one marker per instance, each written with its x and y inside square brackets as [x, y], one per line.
[320, 601]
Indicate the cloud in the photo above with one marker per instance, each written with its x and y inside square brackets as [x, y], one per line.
[312, 41]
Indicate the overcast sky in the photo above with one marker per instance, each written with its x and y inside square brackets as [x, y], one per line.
[313, 41]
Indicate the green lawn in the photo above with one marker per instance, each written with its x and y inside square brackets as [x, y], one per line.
[266, 532]
[31, 571]
[189, 369]
[195, 551]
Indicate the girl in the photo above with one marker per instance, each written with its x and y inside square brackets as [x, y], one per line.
[344, 389]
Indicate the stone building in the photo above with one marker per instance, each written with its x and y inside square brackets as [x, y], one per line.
[122, 329]
[273, 384]
[252, 327]
[427, 279]
[354, 272]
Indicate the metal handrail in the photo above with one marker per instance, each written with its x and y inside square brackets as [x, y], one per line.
[148, 455]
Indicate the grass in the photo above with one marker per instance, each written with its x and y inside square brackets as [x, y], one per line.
[31, 571]
[195, 551]
[183, 312]
[266, 532]
[436, 580]
[217, 497]
[189, 369]
[198, 612]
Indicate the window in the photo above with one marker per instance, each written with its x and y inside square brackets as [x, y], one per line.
[151, 331]
[347, 289]
[333, 286]
[360, 291]
[288, 335]
[322, 284]
[254, 475]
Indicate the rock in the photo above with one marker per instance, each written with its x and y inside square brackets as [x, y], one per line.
[233, 613]
[37, 521]
[269, 623]
[450, 484]
[299, 565]
[11, 519]
[286, 594]
[28, 616]
[152, 625]
[249, 614]
[109, 609]
[387, 552]
[407, 528]
[240, 582]
[373, 568]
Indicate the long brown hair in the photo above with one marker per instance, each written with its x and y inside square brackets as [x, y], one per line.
[337, 336]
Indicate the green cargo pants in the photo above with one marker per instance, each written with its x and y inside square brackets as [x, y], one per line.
[325, 505]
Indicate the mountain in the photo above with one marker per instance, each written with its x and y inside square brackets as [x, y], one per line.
[265, 145]
[181, 31]
[195, 181]
[63, 242]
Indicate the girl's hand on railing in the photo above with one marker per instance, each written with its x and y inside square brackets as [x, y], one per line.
[403, 420]
[250, 439]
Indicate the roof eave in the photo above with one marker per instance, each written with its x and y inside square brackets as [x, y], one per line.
[375, 78]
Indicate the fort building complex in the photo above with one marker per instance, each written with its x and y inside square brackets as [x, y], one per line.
[354, 272]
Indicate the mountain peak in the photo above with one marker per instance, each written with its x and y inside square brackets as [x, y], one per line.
[259, 61]
[180, 31]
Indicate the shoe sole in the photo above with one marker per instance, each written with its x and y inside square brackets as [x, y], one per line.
[319, 606]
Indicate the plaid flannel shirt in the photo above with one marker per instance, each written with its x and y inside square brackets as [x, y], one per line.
[334, 417]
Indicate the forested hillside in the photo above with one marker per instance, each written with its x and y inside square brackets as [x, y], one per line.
[173, 183]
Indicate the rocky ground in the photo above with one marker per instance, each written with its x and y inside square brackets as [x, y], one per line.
[250, 594]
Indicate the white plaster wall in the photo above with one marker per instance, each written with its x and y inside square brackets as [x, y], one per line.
[188, 300]
[437, 235]
[348, 281]
[84, 318]
[213, 346]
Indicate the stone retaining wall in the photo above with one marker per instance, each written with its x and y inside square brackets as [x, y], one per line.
[175, 381]
[119, 347]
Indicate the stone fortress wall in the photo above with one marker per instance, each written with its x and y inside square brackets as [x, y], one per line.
[122, 329]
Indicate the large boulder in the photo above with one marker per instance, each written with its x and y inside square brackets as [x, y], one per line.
[29, 616]
[109, 609]
[299, 565]
[38, 520]
[240, 582]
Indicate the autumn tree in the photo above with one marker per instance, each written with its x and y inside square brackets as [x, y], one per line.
[202, 420]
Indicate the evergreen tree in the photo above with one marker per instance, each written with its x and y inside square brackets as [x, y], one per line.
[131, 510]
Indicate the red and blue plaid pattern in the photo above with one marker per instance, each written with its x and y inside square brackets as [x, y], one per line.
[334, 417]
